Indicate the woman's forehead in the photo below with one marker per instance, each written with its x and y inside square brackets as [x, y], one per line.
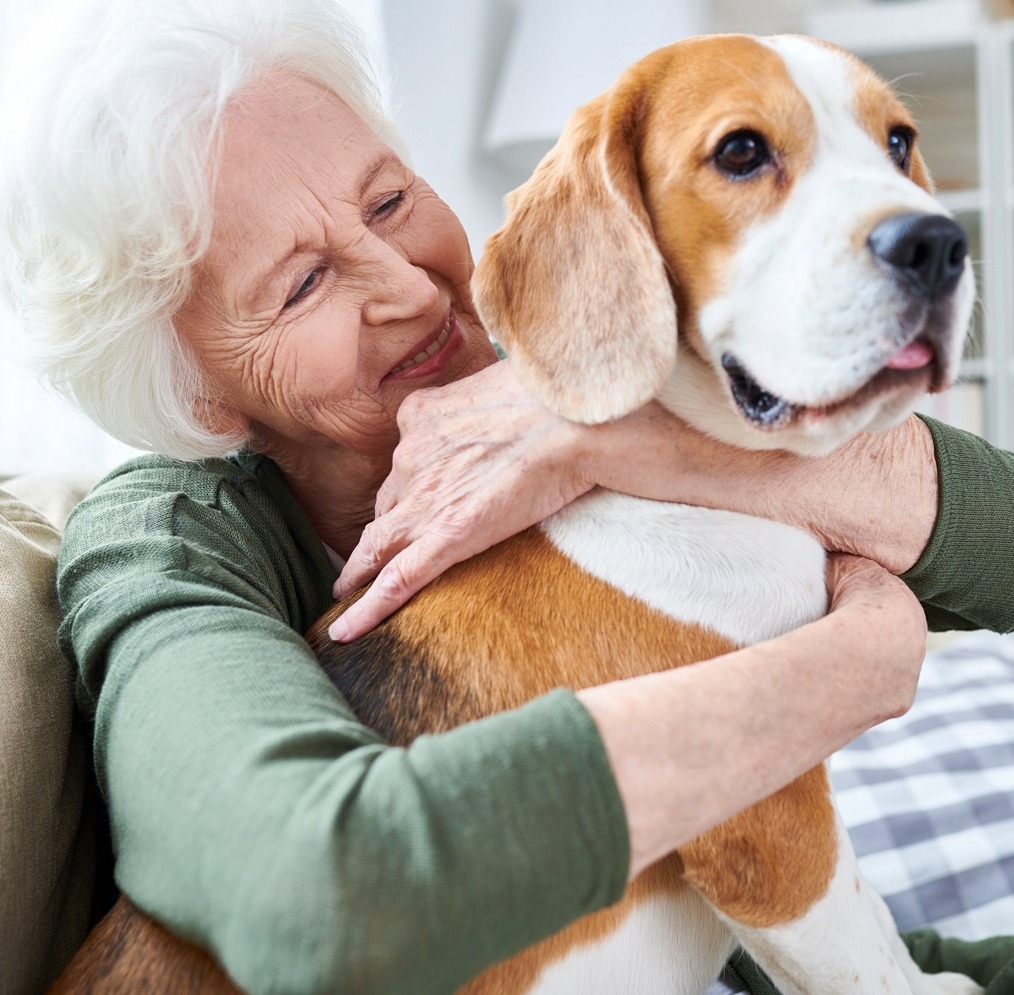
[288, 140]
[286, 116]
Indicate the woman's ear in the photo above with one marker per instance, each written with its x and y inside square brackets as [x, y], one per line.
[573, 284]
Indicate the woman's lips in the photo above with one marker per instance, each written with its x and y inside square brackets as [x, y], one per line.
[431, 353]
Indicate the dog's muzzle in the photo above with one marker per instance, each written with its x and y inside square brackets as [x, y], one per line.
[926, 256]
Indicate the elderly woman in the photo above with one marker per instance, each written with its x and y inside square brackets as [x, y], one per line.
[222, 257]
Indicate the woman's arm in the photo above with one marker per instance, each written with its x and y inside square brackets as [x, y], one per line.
[252, 813]
[929, 502]
[798, 698]
[480, 460]
[875, 496]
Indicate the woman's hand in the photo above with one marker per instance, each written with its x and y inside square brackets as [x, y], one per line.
[882, 629]
[479, 460]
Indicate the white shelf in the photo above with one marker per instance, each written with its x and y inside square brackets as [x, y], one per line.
[892, 26]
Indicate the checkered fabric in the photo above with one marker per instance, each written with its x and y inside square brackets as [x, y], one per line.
[929, 797]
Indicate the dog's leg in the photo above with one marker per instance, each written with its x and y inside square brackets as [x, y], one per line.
[846, 942]
[785, 878]
[661, 941]
[946, 983]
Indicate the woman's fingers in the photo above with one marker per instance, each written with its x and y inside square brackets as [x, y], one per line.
[402, 551]
[478, 461]
[380, 542]
[403, 577]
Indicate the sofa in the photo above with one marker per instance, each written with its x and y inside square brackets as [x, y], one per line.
[48, 815]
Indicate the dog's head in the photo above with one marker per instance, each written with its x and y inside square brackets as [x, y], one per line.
[767, 197]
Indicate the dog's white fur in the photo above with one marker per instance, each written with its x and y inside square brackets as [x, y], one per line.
[700, 566]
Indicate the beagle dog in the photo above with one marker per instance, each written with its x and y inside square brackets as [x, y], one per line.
[741, 229]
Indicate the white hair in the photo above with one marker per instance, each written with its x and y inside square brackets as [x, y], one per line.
[110, 117]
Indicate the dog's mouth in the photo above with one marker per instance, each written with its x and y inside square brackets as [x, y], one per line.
[916, 366]
[759, 406]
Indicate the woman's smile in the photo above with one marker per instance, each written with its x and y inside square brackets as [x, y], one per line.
[432, 354]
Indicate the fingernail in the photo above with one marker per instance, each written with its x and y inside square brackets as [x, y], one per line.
[339, 631]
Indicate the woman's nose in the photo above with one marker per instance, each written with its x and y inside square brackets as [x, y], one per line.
[401, 290]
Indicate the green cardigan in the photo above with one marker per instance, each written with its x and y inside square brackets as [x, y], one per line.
[253, 814]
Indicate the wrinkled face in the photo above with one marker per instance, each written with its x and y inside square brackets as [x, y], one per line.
[820, 288]
[336, 281]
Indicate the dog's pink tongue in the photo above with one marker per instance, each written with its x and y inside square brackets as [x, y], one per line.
[913, 357]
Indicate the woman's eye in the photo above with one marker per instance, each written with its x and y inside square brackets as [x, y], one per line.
[742, 153]
[389, 206]
[306, 287]
[900, 141]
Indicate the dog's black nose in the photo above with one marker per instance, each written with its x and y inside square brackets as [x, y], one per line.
[926, 250]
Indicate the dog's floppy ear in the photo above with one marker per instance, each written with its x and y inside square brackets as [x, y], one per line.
[573, 285]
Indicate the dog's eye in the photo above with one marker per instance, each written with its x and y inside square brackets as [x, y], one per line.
[741, 153]
[900, 142]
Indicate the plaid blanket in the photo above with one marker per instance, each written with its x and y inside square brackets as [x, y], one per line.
[929, 797]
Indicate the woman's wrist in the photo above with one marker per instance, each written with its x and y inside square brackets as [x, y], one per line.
[876, 496]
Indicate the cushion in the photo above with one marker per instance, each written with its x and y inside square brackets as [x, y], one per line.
[47, 838]
[929, 797]
[52, 495]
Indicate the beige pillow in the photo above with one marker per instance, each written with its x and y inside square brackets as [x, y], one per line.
[47, 839]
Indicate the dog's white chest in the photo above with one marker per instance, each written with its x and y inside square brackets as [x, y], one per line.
[748, 579]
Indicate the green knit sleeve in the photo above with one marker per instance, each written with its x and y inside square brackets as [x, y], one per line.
[965, 577]
[253, 814]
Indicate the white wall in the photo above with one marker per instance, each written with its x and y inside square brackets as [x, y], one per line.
[39, 431]
[443, 56]
[446, 57]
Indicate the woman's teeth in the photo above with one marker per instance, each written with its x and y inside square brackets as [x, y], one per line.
[431, 350]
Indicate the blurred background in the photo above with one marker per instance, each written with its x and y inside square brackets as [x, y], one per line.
[481, 88]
